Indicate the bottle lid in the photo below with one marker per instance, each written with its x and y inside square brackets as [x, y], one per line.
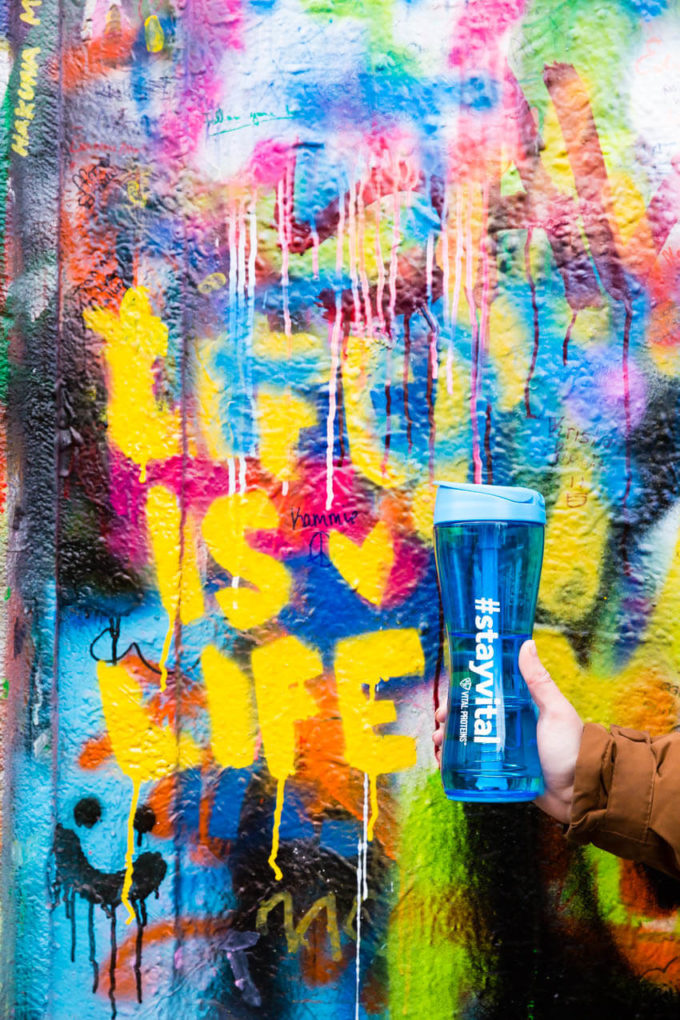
[459, 502]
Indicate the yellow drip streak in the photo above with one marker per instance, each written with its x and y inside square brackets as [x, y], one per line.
[165, 653]
[280, 783]
[373, 777]
[136, 783]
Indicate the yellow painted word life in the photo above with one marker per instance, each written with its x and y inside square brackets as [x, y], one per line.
[24, 111]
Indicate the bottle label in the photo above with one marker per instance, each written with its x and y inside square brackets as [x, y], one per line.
[482, 668]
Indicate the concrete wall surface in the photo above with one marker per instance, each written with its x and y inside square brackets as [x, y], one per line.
[269, 269]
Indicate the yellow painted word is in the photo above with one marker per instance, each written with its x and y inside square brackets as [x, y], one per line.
[24, 111]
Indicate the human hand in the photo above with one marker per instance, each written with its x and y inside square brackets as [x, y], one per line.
[559, 734]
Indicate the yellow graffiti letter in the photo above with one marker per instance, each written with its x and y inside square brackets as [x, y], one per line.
[368, 659]
[268, 582]
[139, 426]
[231, 711]
[280, 670]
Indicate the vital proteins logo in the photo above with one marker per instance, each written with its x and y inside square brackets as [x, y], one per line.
[485, 728]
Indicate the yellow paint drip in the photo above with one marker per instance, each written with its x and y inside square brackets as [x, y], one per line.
[164, 655]
[278, 874]
[179, 582]
[127, 882]
[366, 568]
[136, 339]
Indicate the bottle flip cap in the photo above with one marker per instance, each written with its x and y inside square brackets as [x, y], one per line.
[457, 502]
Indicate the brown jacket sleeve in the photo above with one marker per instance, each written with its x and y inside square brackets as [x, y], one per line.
[627, 795]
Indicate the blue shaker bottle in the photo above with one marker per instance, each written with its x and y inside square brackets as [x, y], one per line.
[489, 550]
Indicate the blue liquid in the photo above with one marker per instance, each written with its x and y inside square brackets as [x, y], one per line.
[488, 576]
[505, 766]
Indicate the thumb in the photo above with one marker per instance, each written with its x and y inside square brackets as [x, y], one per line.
[542, 687]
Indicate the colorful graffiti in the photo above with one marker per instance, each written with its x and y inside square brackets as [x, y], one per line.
[269, 269]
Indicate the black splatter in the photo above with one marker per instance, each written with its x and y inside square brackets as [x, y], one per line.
[75, 876]
[87, 812]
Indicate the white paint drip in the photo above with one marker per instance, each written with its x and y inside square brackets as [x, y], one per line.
[396, 241]
[242, 474]
[365, 288]
[352, 246]
[252, 256]
[283, 241]
[381, 269]
[362, 890]
[233, 310]
[446, 268]
[315, 253]
[458, 276]
[429, 260]
[231, 466]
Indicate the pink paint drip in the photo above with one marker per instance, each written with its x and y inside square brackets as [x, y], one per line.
[334, 337]
[335, 334]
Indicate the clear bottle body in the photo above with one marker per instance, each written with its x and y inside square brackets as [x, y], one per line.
[489, 573]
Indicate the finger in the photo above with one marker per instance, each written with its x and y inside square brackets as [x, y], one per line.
[542, 687]
[438, 738]
[440, 714]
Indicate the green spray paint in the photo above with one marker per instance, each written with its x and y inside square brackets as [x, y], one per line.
[438, 952]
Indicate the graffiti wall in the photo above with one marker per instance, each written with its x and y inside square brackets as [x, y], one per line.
[269, 269]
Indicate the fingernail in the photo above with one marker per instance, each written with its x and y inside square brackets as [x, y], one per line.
[531, 646]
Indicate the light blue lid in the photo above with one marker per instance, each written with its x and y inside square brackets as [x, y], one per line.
[459, 502]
